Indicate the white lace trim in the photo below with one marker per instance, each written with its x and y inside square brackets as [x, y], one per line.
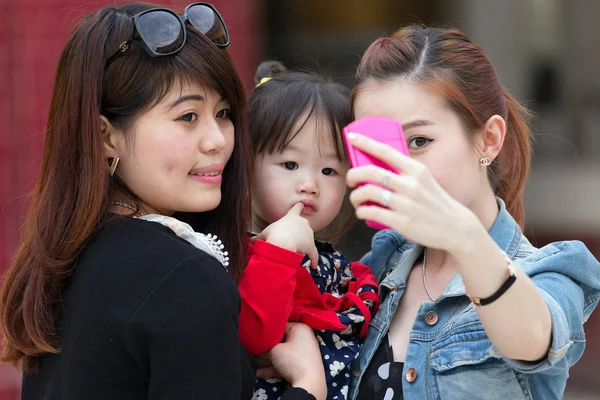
[207, 243]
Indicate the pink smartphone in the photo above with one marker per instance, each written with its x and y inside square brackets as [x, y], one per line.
[382, 129]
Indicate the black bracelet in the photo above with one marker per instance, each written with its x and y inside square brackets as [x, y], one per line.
[505, 286]
[296, 393]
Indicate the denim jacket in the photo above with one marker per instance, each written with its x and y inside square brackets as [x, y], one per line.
[453, 358]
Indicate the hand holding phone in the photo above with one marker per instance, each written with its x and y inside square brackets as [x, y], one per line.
[382, 129]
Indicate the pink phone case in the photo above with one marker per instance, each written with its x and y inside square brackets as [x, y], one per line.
[382, 129]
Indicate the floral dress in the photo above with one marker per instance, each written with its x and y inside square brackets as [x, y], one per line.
[339, 349]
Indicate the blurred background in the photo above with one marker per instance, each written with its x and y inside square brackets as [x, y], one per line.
[546, 52]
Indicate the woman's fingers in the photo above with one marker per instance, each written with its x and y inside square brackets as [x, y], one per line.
[372, 193]
[263, 360]
[369, 173]
[386, 153]
[401, 190]
[382, 177]
[384, 216]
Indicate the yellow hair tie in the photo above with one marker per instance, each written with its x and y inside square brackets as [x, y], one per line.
[263, 80]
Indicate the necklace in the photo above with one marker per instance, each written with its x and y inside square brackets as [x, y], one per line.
[116, 203]
[424, 278]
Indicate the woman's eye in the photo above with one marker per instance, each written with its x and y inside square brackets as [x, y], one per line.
[225, 113]
[290, 165]
[189, 117]
[418, 142]
[328, 171]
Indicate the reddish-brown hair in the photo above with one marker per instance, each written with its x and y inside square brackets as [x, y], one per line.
[72, 197]
[448, 61]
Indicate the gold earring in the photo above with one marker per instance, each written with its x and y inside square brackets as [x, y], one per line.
[263, 80]
[112, 167]
[484, 161]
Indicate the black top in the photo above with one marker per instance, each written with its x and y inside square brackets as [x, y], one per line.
[147, 316]
[383, 377]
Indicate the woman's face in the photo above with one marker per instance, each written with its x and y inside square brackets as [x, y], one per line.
[178, 150]
[434, 134]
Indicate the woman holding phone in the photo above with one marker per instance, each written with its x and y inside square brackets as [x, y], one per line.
[120, 288]
[470, 309]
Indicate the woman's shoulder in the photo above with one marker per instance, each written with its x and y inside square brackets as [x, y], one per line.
[388, 242]
[135, 268]
[572, 255]
[135, 249]
[138, 234]
[391, 238]
[571, 259]
[387, 246]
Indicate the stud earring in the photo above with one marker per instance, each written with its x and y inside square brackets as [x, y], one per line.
[484, 161]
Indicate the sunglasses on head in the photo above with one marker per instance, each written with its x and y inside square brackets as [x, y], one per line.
[162, 31]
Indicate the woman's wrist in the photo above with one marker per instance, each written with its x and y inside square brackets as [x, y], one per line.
[470, 234]
[481, 263]
[314, 384]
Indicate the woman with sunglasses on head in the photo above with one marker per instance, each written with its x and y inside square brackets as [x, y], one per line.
[121, 287]
[470, 309]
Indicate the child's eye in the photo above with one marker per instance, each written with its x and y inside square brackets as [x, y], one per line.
[225, 113]
[418, 142]
[328, 171]
[290, 165]
[189, 117]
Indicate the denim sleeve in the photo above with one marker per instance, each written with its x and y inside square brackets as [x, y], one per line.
[570, 302]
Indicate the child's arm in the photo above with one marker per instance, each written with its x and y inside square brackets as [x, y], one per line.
[266, 291]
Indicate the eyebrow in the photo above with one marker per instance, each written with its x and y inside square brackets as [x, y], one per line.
[414, 124]
[195, 97]
[291, 147]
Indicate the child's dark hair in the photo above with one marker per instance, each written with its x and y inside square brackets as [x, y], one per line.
[277, 105]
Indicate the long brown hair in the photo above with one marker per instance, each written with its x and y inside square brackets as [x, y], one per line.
[72, 196]
[448, 61]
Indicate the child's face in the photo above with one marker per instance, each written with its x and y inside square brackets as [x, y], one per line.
[307, 171]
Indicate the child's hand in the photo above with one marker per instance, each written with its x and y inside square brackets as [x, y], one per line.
[292, 232]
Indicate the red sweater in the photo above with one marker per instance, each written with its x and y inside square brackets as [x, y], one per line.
[276, 288]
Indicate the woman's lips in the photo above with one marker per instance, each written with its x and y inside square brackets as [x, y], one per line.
[213, 179]
[210, 174]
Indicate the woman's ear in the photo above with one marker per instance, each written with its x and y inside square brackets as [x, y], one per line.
[111, 137]
[493, 135]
